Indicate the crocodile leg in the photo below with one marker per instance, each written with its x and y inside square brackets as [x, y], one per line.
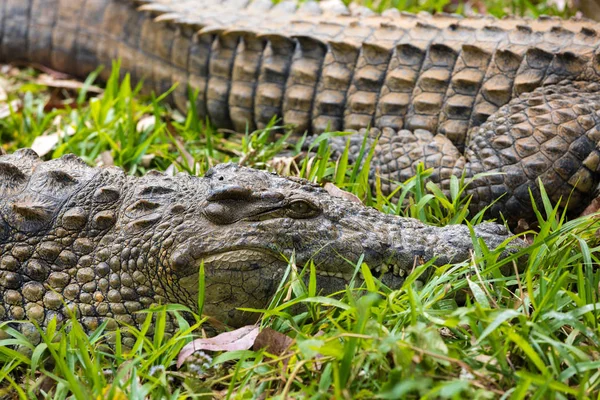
[550, 134]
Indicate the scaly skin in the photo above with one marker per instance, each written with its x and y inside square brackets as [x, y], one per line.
[513, 95]
[105, 244]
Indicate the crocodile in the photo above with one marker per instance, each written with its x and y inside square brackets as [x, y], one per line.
[514, 97]
[103, 245]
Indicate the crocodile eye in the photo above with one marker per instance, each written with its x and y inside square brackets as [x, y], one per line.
[302, 209]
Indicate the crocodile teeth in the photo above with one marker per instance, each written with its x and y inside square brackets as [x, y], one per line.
[384, 269]
[341, 275]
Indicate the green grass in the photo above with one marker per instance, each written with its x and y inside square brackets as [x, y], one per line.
[479, 329]
[498, 8]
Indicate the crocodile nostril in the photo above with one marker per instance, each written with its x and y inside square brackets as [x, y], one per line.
[272, 196]
[220, 214]
[230, 192]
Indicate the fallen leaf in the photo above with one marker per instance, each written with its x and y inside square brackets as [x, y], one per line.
[43, 145]
[171, 170]
[105, 159]
[45, 384]
[4, 84]
[5, 108]
[522, 226]
[284, 165]
[147, 160]
[50, 81]
[485, 359]
[273, 341]
[145, 123]
[52, 72]
[69, 130]
[189, 159]
[239, 339]
[337, 192]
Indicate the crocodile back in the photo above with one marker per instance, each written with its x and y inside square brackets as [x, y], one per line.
[314, 67]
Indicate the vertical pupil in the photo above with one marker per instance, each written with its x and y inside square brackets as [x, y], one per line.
[299, 207]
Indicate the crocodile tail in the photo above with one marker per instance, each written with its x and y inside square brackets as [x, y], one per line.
[15, 17]
[239, 70]
[64, 35]
[78, 36]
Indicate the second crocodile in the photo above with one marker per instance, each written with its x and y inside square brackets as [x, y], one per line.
[514, 96]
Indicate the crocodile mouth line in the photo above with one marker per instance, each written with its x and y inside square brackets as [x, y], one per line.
[240, 258]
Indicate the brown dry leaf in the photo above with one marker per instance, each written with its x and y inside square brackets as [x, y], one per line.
[56, 101]
[50, 81]
[44, 144]
[15, 69]
[184, 153]
[4, 85]
[5, 108]
[147, 160]
[239, 339]
[273, 341]
[486, 360]
[147, 122]
[171, 170]
[105, 159]
[337, 192]
[284, 165]
[445, 332]
[522, 226]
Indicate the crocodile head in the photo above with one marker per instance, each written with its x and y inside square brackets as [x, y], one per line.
[250, 223]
